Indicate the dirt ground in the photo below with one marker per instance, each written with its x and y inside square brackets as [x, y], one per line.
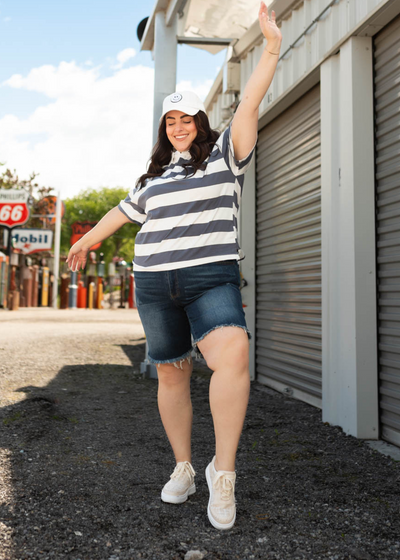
[83, 458]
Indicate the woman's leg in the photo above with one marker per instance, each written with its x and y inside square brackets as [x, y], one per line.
[175, 406]
[226, 351]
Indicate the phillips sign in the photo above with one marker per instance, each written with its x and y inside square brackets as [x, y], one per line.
[14, 210]
[78, 231]
[31, 240]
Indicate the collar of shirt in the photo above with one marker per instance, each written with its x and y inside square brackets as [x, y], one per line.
[176, 156]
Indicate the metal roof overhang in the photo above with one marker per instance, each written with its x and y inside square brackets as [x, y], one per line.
[205, 24]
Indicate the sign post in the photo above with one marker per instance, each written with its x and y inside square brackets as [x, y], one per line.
[14, 212]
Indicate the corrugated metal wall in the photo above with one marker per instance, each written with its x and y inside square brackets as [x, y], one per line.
[288, 253]
[333, 25]
[387, 142]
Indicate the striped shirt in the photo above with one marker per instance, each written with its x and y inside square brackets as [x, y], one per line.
[188, 221]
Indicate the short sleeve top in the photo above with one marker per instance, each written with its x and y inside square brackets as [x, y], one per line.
[189, 220]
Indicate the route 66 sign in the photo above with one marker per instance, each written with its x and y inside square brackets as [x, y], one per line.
[14, 209]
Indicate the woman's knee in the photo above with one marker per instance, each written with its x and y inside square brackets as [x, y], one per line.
[175, 373]
[228, 346]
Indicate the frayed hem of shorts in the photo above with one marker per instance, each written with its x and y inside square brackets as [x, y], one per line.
[195, 342]
[178, 362]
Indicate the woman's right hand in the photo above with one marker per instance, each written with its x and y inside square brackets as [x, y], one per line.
[113, 220]
[77, 257]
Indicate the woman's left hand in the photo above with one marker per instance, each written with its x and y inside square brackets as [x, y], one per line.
[268, 26]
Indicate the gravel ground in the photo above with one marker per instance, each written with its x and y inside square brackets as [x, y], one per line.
[83, 458]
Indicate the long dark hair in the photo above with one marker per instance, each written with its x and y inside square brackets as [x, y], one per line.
[199, 150]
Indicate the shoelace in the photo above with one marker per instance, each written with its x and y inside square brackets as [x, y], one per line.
[181, 468]
[225, 484]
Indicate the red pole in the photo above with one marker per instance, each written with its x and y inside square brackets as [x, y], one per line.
[35, 285]
[82, 294]
[131, 296]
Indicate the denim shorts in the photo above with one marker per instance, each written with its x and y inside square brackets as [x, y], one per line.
[178, 308]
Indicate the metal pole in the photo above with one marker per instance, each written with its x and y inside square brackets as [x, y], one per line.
[9, 248]
[9, 240]
[165, 55]
[57, 250]
[73, 290]
[111, 276]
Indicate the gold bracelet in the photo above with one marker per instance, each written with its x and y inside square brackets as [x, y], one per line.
[273, 52]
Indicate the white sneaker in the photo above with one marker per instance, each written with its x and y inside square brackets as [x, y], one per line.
[221, 505]
[181, 485]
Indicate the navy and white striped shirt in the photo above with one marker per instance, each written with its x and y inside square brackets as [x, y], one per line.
[188, 221]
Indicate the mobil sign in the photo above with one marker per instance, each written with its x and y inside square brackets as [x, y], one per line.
[14, 209]
[32, 240]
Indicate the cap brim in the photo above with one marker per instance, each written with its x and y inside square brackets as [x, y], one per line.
[187, 110]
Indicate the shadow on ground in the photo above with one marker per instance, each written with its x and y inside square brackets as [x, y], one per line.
[87, 457]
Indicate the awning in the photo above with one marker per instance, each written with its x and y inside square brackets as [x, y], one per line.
[205, 19]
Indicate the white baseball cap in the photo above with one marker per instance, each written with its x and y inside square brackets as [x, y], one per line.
[185, 101]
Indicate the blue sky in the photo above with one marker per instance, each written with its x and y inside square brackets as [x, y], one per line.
[61, 62]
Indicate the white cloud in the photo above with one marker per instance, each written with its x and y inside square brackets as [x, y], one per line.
[123, 57]
[65, 80]
[200, 88]
[95, 131]
[7, 19]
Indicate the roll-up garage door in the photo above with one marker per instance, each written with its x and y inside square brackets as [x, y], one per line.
[288, 263]
[387, 145]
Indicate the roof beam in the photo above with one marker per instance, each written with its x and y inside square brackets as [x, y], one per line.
[204, 41]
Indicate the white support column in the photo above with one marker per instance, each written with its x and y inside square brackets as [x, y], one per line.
[165, 55]
[349, 329]
[165, 63]
[247, 241]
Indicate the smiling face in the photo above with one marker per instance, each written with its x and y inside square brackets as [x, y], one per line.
[181, 130]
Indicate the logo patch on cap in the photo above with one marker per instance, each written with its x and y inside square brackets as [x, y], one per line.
[176, 97]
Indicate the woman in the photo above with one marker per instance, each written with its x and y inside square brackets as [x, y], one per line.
[187, 274]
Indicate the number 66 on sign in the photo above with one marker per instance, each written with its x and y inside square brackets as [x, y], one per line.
[14, 210]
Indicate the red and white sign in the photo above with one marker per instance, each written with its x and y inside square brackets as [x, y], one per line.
[79, 229]
[30, 240]
[14, 209]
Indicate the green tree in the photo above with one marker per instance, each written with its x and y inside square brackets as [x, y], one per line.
[91, 205]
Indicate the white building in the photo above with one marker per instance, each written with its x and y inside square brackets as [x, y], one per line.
[320, 217]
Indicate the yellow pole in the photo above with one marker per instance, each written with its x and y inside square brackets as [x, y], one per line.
[99, 293]
[45, 287]
[90, 298]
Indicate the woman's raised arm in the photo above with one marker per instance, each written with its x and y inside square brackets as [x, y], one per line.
[109, 224]
[245, 121]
